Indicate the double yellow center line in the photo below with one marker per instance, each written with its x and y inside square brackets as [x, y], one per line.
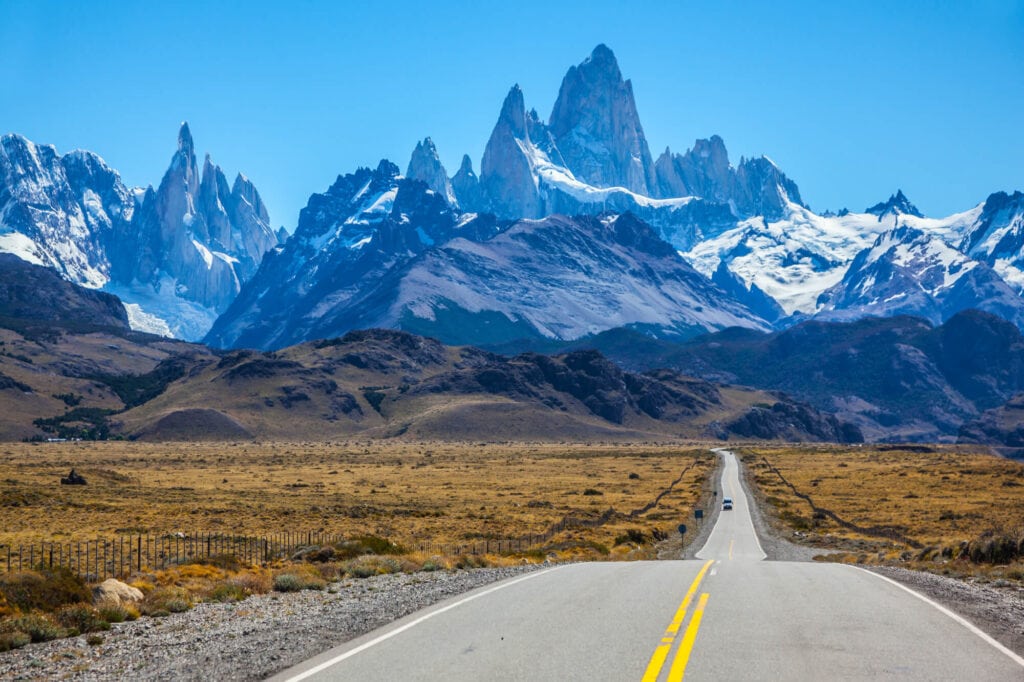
[675, 672]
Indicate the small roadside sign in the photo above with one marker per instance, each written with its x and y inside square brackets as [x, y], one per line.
[682, 529]
[698, 513]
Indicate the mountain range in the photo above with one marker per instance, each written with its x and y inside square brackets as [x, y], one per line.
[533, 248]
[571, 233]
[71, 367]
[176, 256]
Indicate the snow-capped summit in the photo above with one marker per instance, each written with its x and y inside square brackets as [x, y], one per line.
[425, 165]
[907, 271]
[897, 204]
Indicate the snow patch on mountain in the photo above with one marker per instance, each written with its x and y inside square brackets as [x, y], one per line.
[161, 309]
[796, 259]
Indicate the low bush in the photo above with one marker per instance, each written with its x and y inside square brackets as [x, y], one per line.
[13, 640]
[366, 544]
[43, 589]
[81, 618]
[164, 600]
[113, 612]
[227, 562]
[299, 579]
[39, 627]
[287, 582]
[369, 565]
[227, 592]
[633, 535]
[254, 582]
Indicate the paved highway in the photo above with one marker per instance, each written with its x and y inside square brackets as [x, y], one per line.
[730, 615]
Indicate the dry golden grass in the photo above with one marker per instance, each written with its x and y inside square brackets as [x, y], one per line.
[936, 499]
[409, 493]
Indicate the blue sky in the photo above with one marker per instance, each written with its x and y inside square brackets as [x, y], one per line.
[851, 99]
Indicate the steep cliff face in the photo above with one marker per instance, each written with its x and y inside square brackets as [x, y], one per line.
[597, 129]
[506, 173]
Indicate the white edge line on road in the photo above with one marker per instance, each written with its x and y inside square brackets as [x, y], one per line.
[388, 635]
[958, 618]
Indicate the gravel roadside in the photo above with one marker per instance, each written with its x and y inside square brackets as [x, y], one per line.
[248, 640]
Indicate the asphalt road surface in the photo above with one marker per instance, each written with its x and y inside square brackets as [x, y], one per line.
[730, 615]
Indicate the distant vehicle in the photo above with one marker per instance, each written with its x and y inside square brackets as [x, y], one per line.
[727, 503]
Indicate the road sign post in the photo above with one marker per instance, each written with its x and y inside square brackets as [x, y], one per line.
[698, 513]
[682, 529]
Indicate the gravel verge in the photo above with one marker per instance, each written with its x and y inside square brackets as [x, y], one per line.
[247, 640]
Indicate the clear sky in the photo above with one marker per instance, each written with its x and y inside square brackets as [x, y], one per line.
[852, 99]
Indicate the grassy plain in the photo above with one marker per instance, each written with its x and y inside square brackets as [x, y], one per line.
[408, 493]
[936, 498]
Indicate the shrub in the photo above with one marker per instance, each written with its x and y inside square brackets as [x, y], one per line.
[13, 640]
[113, 612]
[227, 592]
[44, 589]
[287, 582]
[366, 566]
[366, 544]
[165, 600]
[633, 535]
[178, 605]
[303, 578]
[257, 582]
[94, 640]
[81, 617]
[592, 491]
[38, 626]
[469, 561]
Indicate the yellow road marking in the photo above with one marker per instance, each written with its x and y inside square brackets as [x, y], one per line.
[661, 652]
[678, 669]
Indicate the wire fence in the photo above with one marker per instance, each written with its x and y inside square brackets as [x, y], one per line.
[119, 557]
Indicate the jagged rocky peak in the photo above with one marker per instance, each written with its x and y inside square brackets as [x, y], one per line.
[199, 235]
[425, 165]
[763, 189]
[597, 129]
[506, 173]
[703, 171]
[466, 186]
[897, 204]
[185, 142]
